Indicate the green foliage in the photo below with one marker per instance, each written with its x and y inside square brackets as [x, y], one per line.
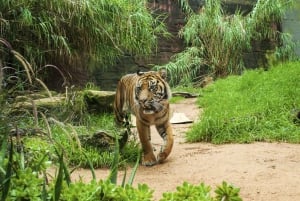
[69, 34]
[180, 91]
[257, 106]
[19, 179]
[176, 99]
[187, 87]
[105, 190]
[20, 182]
[25, 185]
[217, 40]
[97, 152]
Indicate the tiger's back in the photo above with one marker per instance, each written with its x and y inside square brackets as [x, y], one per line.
[146, 95]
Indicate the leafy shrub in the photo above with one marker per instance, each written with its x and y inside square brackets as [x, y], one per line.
[105, 190]
[227, 192]
[25, 185]
[201, 192]
[189, 192]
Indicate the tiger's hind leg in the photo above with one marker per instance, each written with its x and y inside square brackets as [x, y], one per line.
[166, 132]
[122, 117]
[119, 102]
[149, 158]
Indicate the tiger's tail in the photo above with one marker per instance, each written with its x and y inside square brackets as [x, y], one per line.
[119, 104]
[121, 115]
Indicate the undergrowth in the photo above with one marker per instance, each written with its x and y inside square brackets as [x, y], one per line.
[257, 106]
[80, 147]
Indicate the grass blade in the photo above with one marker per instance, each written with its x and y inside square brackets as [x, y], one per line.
[6, 182]
[124, 178]
[67, 173]
[59, 178]
[25, 64]
[90, 164]
[114, 167]
[44, 190]
[3, 153]
[132, 175]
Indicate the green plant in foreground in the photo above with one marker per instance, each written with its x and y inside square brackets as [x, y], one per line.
[201, 192]
[226, 192]
[24, 185]
[105, 190]
[189, 192]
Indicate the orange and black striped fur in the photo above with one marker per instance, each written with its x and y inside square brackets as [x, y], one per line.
[146, 95]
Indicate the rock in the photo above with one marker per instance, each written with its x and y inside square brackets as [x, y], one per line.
[103, 140]
[99, 101]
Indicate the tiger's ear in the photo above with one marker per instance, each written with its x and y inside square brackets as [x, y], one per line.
[139, 72]
[163, 73]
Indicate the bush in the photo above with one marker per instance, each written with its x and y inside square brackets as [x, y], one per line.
[217, 41]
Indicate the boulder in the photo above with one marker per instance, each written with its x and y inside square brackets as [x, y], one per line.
[99, 101]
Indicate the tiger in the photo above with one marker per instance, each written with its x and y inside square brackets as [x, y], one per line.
[146, 95]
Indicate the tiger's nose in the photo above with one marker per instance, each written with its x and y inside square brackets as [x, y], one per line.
[146, 102]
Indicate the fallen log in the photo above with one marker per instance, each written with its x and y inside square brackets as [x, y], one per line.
[96, 101]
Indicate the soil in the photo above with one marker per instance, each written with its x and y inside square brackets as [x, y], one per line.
[263, 171]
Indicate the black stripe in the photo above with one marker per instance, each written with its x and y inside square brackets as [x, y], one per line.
[162, 116]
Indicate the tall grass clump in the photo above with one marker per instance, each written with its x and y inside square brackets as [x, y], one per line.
[71, 34]
[216, 41]
[257, 106]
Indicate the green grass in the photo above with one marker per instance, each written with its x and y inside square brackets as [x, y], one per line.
[257, 106]
[176, 99]
[187, 88]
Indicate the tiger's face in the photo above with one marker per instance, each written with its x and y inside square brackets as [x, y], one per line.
[151, 91]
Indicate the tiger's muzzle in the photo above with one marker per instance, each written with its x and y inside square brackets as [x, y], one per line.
[150, 106]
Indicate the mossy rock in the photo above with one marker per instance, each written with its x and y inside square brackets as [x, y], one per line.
[99, 101]
[102, 140]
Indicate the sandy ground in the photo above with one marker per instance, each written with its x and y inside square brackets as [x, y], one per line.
[262, 171]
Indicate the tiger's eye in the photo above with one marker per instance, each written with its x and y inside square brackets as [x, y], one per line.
[153, 88]
[138, 89]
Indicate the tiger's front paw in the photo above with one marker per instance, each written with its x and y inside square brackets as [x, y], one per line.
[161, 157]
[149, 159]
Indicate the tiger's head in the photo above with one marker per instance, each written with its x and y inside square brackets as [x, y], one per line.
[152, 91]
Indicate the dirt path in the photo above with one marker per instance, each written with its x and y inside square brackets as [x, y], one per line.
[263, 171]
